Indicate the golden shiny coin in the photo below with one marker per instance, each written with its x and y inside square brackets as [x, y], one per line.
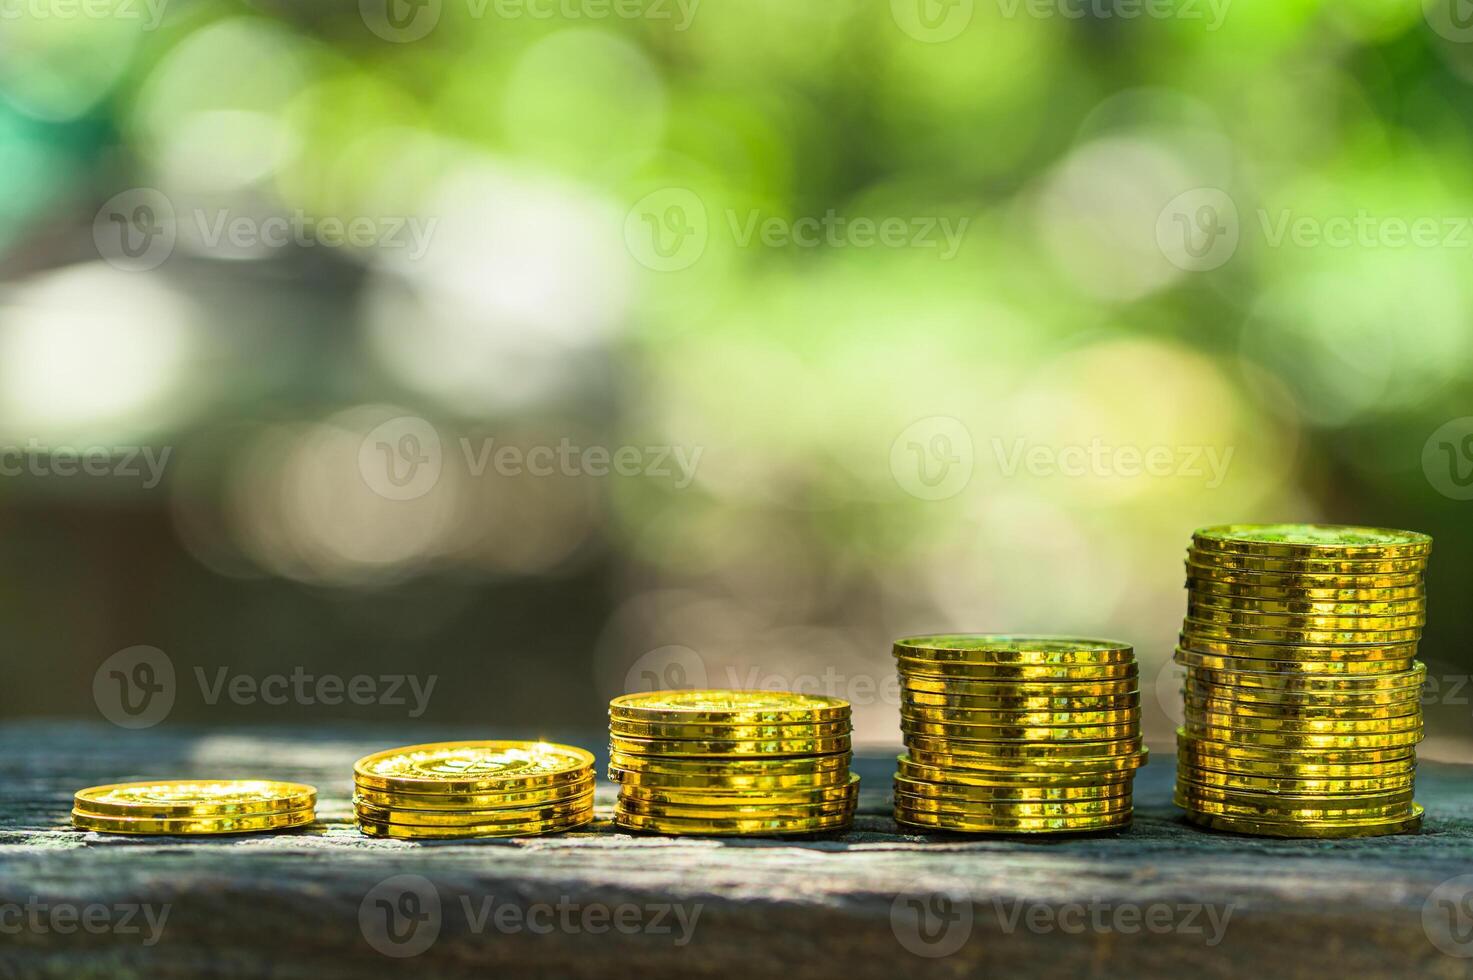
[1344, 668]
[742, 798]
[1297, 700]
[1260, 579]
[1351, 569]
[910, 803]
[1249, 709]
[1296, 652]
[1283, 801]
[1018, 672]
[792, 811]
[728, 707]
[1192, 803]
[1315, 594]
[193, 798]
[1015, 733]
[746, 733]
[1239, 736]
[706, 766]
[1255, 634]
[476, 801]
[1027, 764]
[1303, 726]
[998, 689]
[473, 818]
[473, 767]
[962, 823]
[1313, 541]
[195, 826]
[398, 831]
[1024, 783]
[1287, 757]
[733, 784]
[962, 793]
[1013, 650]
[1359, 624]
[969, 748]
[1400, 681]
[713, 748]
[1129, 701]
[1337, 829]
[760, 827]
[1314, 609]
[1353, 771]
[1293, 786]
[1051, 719]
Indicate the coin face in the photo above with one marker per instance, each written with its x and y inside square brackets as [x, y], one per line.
[194, 797]
[1306, 540]
[734, 707]
[453, 766]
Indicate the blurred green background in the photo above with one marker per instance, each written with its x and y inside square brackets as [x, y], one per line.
[840, 320]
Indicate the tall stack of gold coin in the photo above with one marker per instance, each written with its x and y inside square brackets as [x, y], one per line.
[731, 763]
[1017, 735]
[473, 789]
[194, 806]
[1303, 697]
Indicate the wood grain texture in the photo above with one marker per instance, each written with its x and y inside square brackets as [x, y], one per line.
[288, 905]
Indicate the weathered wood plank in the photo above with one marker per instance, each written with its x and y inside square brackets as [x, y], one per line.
[289, 905]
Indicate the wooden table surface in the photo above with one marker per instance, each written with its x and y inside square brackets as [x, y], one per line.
[1162, 898]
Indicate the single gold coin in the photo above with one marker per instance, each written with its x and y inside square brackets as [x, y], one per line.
[1016, 764]
[729, 707]
[961, 823]
[1024, 783]
[473, 767]
[195, 826]
[1189, 802]
[1313, 541]
[740, 811]
[742, 798]
[750, 733]
[476, 801]
[1311, 637]
[1303, 726]
[972, 687]
[1293, 786]
[1295, 596]
[1324, 668]
[1313, 609]
[1032, 751]
[709, 748]
[1402, 652]
[1338, 829]
[808, 765]
[1246, 766]
[1400, 681]
[826, 779]
[1015, 733]
[1360, 623]
[1240, 736]
[962, 793]
[399, 831]
[1017, 672]
[474, 818]
[1034, 719]
[186, 798]
[1211, 746]
[1195, 702]
[1109, 703]
[1353, 569]
[1283, 801]
[1261, 579]
[1012, 810]
[757, 827]
[1395, 701]
[1013, 650]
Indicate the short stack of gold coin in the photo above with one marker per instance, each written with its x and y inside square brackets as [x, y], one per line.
[1303, 697]
[194, 806]
[473, 789]
[1017, 735]
[758, 763]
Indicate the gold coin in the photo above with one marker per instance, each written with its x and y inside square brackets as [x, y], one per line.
[1214, 631]
[761, 827]
[752, 733]
[1034, 719]
[1038, 703]
[1299, 595]
[1303, 726]
[1027, 764]
[399, 831]
[473, 818]
[1352, 569]
[1360, 624]
[1286, 802]
[742, 798]
[473, 767]
[1023, 783]
[1017, 672]
[195, 826]
[811, 765]
[1401, 681]
[716, 748]
[726, 707]
[1248, 709]
[1013, 733]
[1013, 650]
[971, 748]
[1290, 756]
[1296, 652]
[730, 784]
[1239, 736]
[198, 798]
[1188, 802]
[1340, 829]
[1243, 766]
[476, 801]
[961, 823]
[963, 793]
[1293, 786]
[749, 811]
[1313, 541]
[973, 687]
[1323, 668]
[1260, 579]
[910, 803]
[1314, 609]
[1296, 700]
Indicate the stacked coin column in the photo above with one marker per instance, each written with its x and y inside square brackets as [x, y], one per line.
[190, 807]
[731, 763]
[1303, 700]
[1017, 735]
[473, 789]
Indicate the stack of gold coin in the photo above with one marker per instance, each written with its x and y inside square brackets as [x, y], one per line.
[1303, 697]
[473, 789]
[194, 806]
[731, 763]
[1017, 734]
